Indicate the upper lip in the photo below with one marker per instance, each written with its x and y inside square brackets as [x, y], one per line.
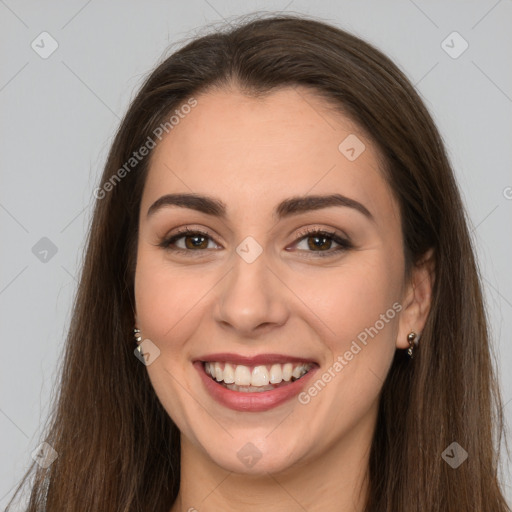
[260, 359]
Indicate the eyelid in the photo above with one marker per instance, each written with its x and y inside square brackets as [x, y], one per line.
[319, 229]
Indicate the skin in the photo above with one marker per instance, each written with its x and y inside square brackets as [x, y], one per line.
[251, 154]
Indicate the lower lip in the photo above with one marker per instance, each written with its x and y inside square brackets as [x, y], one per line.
[256, 401]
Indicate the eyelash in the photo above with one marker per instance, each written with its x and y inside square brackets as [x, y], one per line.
[343, 244]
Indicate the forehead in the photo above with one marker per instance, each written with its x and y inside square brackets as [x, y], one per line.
[253, 152]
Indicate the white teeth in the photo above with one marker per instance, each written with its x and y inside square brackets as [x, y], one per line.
[297, 371]
[259, 377]
[249, 389]
[242, 375]
[229, 374]
[219, 374]
[276, 374]
[287, 371]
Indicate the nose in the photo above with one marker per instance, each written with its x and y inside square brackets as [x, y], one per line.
[252, 299]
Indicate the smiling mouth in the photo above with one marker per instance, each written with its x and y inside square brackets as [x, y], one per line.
[255, 379]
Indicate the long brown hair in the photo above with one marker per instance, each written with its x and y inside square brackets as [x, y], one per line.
[117, 447]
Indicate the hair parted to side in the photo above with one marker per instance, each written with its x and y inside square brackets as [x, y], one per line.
[117, 447]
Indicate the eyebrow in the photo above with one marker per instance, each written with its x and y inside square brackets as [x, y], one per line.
[287, 208]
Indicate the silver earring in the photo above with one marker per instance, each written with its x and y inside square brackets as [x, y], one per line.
[138, 338]
[412, 338]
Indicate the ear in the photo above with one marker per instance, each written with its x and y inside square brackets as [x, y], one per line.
[416, 300]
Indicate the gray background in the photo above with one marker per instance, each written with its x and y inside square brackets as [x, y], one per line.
[59, 115]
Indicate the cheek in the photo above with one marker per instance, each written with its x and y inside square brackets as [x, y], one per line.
[165, 298]
[352, 296]
[358, 315]
[357, 310]
[165, 301]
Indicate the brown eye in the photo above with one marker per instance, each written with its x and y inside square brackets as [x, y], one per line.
[317, 242]
[320, 242]
[195, 241]
[187, 241]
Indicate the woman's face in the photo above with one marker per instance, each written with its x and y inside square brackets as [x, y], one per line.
[257, 282]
